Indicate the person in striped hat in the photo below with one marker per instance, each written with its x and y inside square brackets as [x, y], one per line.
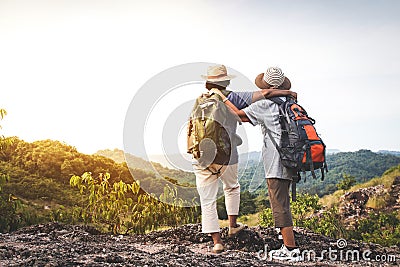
[273, 78]
[266, 113]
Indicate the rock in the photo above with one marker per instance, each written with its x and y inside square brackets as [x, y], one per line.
[71, 245]
[394, 199]
[353, 204]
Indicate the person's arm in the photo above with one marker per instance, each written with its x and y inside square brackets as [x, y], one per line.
[269, 93]
[237, 112]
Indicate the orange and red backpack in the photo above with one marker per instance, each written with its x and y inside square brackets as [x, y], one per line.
[300, 147]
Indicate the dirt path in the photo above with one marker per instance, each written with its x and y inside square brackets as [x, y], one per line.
[71, 245]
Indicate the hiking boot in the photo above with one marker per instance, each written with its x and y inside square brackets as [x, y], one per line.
[218, 248]
[284, 254]
[235, 230]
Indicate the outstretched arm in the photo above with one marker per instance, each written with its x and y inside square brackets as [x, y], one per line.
[243, 117]
[232, 107]
[269, 93]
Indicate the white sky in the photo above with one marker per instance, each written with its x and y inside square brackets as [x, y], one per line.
[69, 69]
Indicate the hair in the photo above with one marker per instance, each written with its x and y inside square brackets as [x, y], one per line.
[219, 85]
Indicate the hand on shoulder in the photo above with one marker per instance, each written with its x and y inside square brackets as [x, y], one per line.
[218, 92]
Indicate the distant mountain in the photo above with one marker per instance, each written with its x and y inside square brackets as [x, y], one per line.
[362, 164]
[332, 151]
[395, 153]
[118, 156]
[183, 161]
[174, 161]
[182, 177]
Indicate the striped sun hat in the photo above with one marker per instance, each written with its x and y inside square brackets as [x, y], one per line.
[272, 78]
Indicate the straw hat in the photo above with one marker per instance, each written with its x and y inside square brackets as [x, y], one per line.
[217, 73]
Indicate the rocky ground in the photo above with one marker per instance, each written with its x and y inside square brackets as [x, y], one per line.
[353, 205]
[71, 245]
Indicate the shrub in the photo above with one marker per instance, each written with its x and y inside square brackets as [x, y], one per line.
[265, 218]
[121, 208]
[381, 228]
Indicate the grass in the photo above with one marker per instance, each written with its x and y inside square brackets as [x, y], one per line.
[375, 202]
[331, 200]
[250, 220]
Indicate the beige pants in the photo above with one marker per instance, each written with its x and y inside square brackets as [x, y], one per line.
[207, 186]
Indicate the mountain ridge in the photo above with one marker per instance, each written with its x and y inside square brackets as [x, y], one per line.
[362, 164]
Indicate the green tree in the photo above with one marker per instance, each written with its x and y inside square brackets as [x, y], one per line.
[346, 183]
[8, 204]
[3, 113]
[328, 222]
[247, 205]
[382, 228]
[113, 205]
[3, 144]
[304, 206]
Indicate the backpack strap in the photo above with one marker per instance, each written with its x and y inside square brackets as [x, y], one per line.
[325, 166]
[280, 152]
[294, 191]
[273, 141]
[218, 172]
[309, 161]
[276, 100]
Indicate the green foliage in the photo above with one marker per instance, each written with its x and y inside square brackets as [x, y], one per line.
[378, 202]
[8, 207]
[392, 170]
[303, 211]
[330, 223]
[247, 205]
[3, 113]
[39, 173]
[8, 214]
[363, 165]
[382, 228]
[122, 208]
[266, 218]
[304, 206]
[14, 213]
[3, 179]
[346, 182]
[178, 176]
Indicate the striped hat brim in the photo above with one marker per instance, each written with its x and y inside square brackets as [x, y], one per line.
[262, 84]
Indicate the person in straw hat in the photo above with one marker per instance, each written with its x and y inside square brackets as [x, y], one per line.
[266, 113]
[218, 79]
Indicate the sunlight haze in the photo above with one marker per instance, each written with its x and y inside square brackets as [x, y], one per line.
[69, 69]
